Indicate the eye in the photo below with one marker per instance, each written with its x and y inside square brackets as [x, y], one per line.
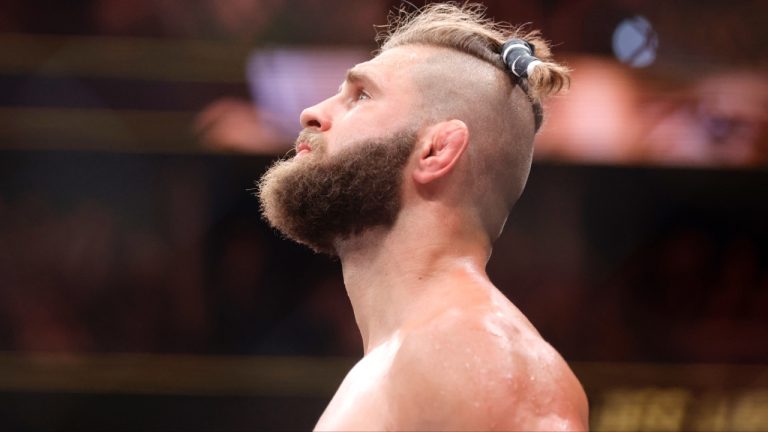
[362, 95]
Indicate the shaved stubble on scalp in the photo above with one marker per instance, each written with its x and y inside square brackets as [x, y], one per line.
[465, 78]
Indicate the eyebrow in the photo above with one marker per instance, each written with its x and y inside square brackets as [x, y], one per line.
[357, 77]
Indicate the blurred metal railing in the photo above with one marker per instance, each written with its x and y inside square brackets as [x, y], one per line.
[123, 57]
[623, 396]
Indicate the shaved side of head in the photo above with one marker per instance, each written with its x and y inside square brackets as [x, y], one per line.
[455, 85]
[463, 76]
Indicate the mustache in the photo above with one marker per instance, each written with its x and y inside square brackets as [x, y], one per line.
[314, 139]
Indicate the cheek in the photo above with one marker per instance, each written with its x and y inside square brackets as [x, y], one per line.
[361, 119]
[349, 132]
[365, 122]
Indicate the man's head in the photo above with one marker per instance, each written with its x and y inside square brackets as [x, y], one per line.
[437, 111]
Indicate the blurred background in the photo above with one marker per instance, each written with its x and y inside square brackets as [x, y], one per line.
[140, 289]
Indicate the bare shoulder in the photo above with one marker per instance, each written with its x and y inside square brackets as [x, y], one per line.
[482, 368]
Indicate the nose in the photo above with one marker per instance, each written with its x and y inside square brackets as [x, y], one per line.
[317, 116]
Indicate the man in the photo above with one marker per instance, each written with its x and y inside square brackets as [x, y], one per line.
[407, 175]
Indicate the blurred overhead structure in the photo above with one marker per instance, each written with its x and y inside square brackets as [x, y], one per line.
[107, 93]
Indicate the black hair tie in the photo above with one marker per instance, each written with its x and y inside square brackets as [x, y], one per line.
[518, 56]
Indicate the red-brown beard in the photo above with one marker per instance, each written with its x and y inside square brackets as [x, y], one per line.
[317, 199]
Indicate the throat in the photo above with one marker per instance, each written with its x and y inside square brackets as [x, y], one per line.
[390, 291]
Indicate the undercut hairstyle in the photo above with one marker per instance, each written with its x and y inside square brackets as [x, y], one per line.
[466, 29]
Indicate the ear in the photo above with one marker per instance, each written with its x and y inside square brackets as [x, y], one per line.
[441, 150]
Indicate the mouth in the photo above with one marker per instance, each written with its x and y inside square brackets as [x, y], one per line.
[303, 148]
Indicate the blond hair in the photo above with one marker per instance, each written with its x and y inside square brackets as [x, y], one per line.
[466, 29]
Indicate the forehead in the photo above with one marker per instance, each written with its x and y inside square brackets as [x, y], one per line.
[431, 68]
[394, 67]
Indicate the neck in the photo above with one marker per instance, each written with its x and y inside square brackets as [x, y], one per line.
[394, 277]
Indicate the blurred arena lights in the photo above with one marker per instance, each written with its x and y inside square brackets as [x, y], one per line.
[635, 42]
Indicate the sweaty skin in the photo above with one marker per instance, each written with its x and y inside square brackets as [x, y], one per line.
[444, 349]
[468, 360]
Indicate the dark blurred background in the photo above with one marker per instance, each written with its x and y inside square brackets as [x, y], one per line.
[140, 289]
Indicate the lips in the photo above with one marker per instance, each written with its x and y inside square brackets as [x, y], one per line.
[303, 148]
[308, 141]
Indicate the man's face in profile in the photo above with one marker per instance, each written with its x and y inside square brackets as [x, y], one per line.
[347, 174]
